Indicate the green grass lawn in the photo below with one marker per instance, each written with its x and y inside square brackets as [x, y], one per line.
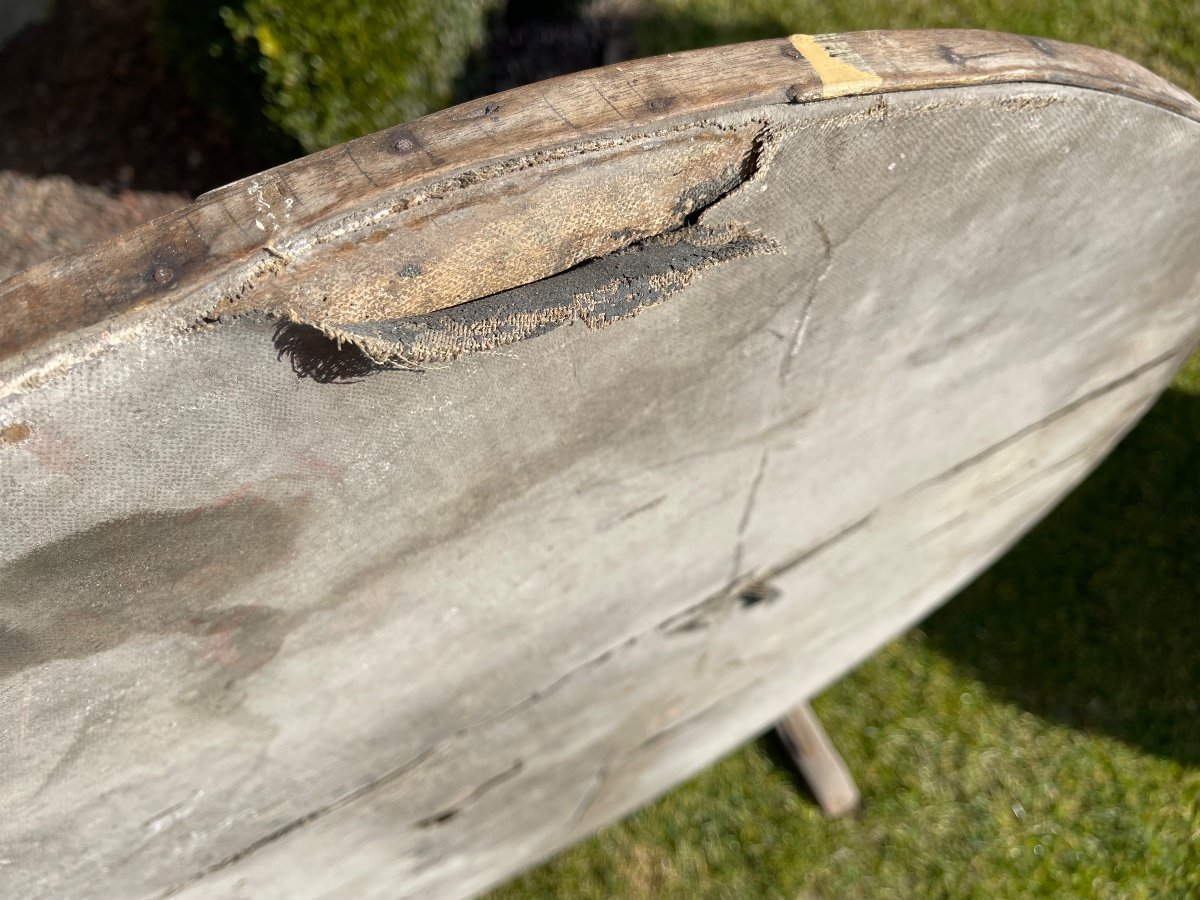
[1040, 735]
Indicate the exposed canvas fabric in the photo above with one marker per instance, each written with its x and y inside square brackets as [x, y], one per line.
[280, 621]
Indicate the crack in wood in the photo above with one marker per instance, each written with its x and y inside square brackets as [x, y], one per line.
[312, 816]
[798, 335]
[472, 796]
[698, 616]
[1084, 399]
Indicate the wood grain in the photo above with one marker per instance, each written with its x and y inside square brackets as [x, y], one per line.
[224, 249]
[276, 621]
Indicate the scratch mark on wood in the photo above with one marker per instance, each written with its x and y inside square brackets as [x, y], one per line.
[632, 85]
[645, 507]
[747, 514]
[1019, 487]
[1159, 361]
[595, 87]
[489, 109]
[449, 812]
[793, 350]
[590, 797]
[562, 118]
[374, 784]
[353, 159]
[692, 618]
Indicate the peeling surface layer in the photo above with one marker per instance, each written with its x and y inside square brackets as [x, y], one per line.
[596, 293]
[494, 231]
[323, 213]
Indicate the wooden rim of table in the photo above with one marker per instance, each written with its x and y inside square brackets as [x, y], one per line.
[162, 265]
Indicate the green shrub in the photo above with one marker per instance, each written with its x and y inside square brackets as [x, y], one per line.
[322, 71]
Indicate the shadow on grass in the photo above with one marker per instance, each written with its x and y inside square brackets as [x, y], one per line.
[531, 40]
[1093, 619]
[89, 93]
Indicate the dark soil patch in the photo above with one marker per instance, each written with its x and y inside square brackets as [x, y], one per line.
[86, 94]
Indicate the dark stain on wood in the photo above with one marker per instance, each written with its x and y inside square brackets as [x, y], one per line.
[151, 573]
[404, 141]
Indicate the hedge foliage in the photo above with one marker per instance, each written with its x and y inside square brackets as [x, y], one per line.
[319, 72]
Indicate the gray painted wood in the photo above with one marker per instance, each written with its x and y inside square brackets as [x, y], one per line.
[403, 634]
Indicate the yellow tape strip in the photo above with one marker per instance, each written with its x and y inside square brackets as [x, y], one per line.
[839, 78]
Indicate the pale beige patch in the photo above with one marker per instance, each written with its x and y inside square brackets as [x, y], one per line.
[842, 72]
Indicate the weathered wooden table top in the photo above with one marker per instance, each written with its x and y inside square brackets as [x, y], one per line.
[382, 523]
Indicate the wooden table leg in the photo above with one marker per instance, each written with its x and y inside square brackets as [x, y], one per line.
[819, 762]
